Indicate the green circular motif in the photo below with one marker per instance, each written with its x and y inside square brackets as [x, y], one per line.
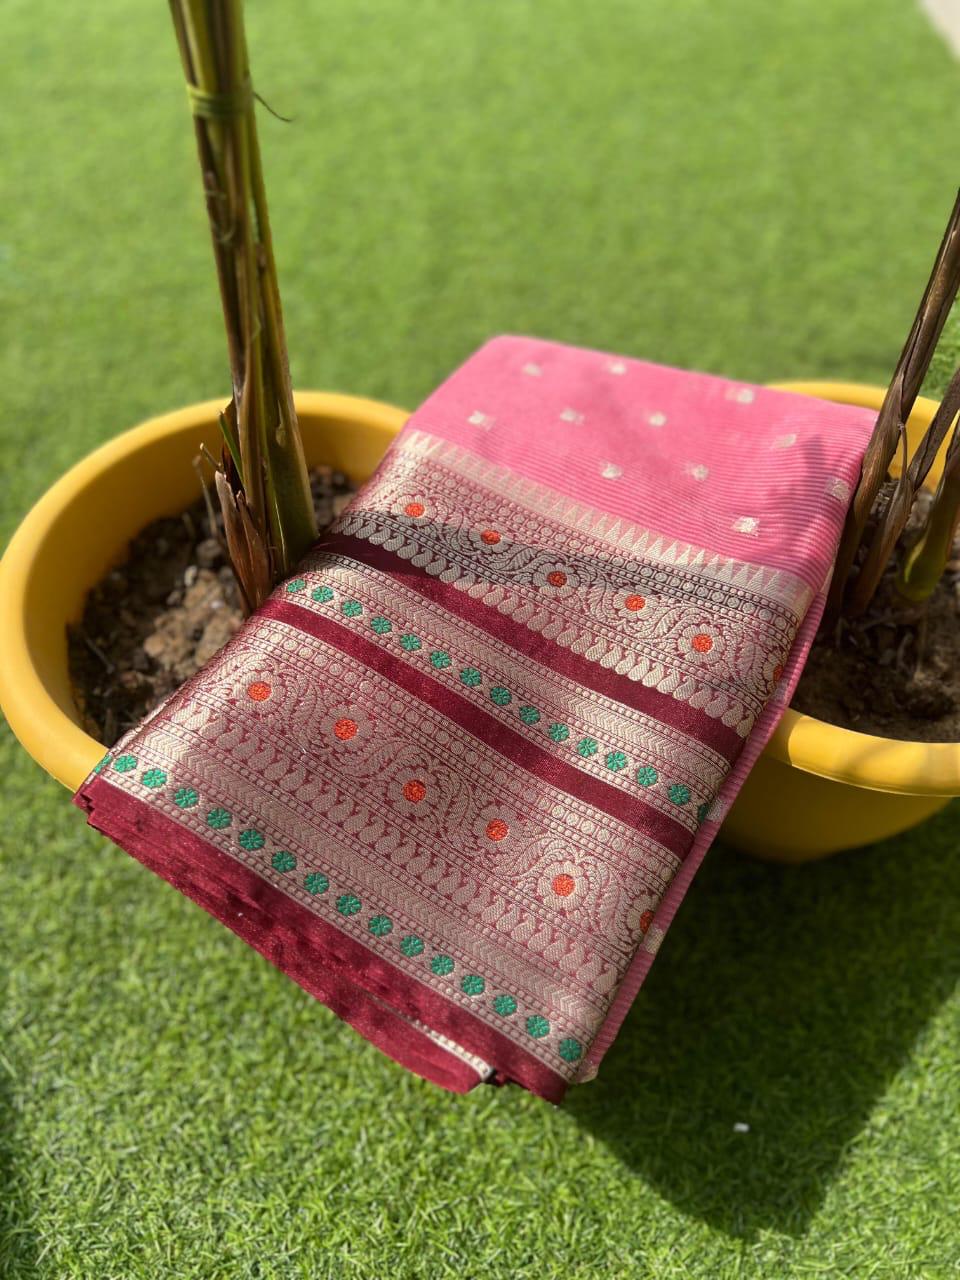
[380, 926]
[251, 839]
[381, 626]
[470, 676]
[500, 695]
[294, 585]
[570, 1049]
[538, 1027]
[185, 798]
[647, 775]
[587, 747]
[411, 945]
[529, 715]
[99, 768]
[441, 965]
[678, 793]
[322, 595]
[703, 810]
[616, 761]
[410, 643]
[504, 1005]
[153, 777]
[559, 732]
[316, 882]
[351, 608]
[218, 819]
[283, 860]
[472, 985]
[348, 905]
[440, 659]
[123, 764]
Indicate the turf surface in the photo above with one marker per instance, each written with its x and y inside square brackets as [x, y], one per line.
[751, 188]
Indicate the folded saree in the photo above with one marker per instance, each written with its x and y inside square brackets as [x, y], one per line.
[456, 775]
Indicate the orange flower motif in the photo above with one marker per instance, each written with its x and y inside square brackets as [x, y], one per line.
[488, 539]
[703, 641]
[411, 788]
[345, 728]
[641, 914]
[772, 670]
[636, 606]
[557, 580]
[259, 691]
[414, 508]
[563, 883]
[497, 826]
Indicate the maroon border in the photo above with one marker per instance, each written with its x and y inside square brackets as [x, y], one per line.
[632, 693]
[361, 987]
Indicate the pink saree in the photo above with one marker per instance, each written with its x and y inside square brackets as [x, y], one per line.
[456, 775]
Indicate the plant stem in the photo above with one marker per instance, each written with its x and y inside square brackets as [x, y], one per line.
[270, 520]
[925, 562]
[898, 403]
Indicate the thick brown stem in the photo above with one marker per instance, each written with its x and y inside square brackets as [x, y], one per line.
[898, 403]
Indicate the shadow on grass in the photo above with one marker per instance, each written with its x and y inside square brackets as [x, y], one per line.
[784, 999]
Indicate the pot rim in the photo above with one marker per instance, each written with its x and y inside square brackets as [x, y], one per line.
[46, 730]
[828, 750]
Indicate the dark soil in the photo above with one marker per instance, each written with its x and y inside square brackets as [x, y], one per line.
[162, 613]
[896, 671]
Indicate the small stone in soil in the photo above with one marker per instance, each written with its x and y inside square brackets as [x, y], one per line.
[209, 554]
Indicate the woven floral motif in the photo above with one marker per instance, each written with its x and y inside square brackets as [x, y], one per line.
[456, 774]
[708, 630]
[557, 713]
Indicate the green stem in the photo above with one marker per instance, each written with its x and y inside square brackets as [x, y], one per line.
[925, 562]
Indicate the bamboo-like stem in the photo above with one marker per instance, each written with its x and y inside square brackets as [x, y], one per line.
[264, 487]
[198, 70]
[287, 471]
[898, 403]
[908, 485]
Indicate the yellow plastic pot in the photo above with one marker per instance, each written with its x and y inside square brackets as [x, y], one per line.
[816, 789]
[81, 527]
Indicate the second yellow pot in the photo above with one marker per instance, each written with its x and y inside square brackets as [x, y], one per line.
[818, 788]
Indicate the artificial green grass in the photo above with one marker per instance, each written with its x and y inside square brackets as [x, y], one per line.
[756, 189]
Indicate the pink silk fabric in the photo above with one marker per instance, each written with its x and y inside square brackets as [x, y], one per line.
[456, 775]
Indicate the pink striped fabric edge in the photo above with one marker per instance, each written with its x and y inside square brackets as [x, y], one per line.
[767, 723]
